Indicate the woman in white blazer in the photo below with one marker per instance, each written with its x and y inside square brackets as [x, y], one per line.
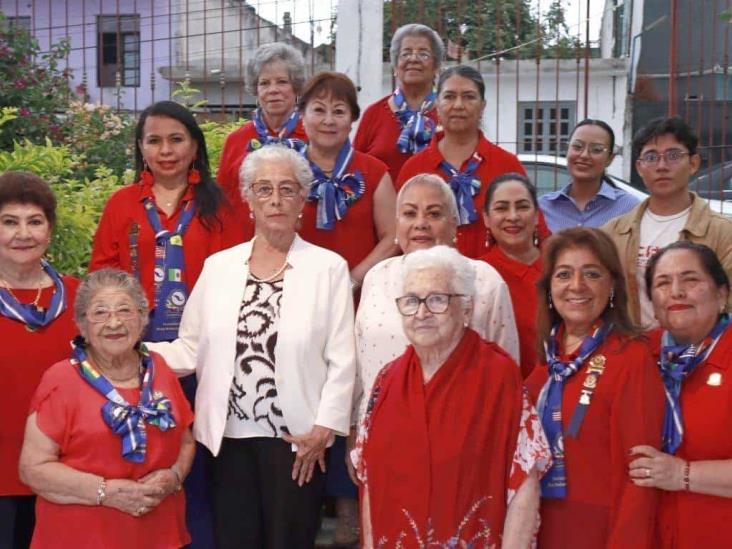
[268, 329]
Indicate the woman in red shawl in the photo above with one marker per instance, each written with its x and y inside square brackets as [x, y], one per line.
[450, 450]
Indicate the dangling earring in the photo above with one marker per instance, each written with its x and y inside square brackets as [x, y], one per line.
[612, 298]
[194, 176]
[489, 240]
[396, 241]
[549, 301]
[146, 176]
[251, 215]
[536, 238]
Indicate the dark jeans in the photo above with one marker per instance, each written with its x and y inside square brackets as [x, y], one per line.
[255, 501]
[17, 519]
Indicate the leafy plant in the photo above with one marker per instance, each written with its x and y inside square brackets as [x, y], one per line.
[32, 82]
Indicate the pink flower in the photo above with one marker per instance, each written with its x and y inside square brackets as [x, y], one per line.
[24, 112]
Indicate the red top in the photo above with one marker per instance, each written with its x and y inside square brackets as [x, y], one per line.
[603, 508]
[441, 459]
[688, 520]
[24, 357]
[378, 132]
[354, 236]
[68, 412]
[125, 212]
[496, 161]
[232, 156]
[521, 280]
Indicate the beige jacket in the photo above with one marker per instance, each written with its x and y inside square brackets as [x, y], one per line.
[703, 226]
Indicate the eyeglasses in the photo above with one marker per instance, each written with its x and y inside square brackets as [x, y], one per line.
[265, 190]
[436, 303]
[671, 156]
[595, 149]
[422, 55]
[101, 315]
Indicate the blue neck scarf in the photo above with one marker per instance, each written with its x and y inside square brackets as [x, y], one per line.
[549, 405]
[125, 420]
[171, 292]
[30, 315]
[417, 127]
[282, 137]
[465, 187]
[677, 362]
[337, 193]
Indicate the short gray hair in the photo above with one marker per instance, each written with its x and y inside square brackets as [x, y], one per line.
[437, 182]
[416, 29]
[274, 153]
[446, 258]
[104, 279]
[277, 51]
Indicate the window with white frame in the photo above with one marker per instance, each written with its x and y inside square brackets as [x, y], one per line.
[545, 126]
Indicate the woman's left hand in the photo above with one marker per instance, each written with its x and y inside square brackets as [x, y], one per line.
[165, 479]
[310, 450]
[656, 469]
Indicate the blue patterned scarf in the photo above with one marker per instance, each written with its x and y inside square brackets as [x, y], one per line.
[337, 193]
[283, 136]
[125, 420]
[30, 315]
[677, 362]
[549, 405]
[465, 187]
[417, 127]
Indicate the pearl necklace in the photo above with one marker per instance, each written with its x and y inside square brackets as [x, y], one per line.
[271, 277]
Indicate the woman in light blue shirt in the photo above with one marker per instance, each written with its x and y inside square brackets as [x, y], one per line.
[591, 199]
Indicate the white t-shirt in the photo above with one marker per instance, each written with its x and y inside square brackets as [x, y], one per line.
[656, 232]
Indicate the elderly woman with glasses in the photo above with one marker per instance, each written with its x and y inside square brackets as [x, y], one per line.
[598, 394]
[462, 155]
[108, 441]
[437, 415]
[269, 332]
[591, 199]
[402, 123]
[275, 75]
[689, 289]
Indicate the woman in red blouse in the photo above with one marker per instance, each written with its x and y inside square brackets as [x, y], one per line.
[689, 289]
[510, 214]
[161, 229]
[275, 74]
[352, 202]
[36, 326]
[598, 395]
[402, 123]
[462, 155]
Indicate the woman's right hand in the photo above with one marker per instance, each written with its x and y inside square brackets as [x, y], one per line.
[131, 497]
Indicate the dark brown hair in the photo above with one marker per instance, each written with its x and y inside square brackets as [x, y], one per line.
[334, 84]
[28, 188]
[602, 247]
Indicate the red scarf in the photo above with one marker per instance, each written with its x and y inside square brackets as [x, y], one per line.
[438, 456]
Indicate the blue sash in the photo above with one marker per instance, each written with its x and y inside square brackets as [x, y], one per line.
[549, 405]
[171, 292]
[677, 362]
[125, 420]
[282, 138]
[417, 127]
[337, 193]
[465, 187]
[30, 315]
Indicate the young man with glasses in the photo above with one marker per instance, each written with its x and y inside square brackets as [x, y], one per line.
[666, 158]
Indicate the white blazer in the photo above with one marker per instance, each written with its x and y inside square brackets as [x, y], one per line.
[315, 359]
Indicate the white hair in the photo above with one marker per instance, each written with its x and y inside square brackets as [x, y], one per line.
[270, 53]
[437, 182]
[416, 29]
[461, 271]
[274, 153]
